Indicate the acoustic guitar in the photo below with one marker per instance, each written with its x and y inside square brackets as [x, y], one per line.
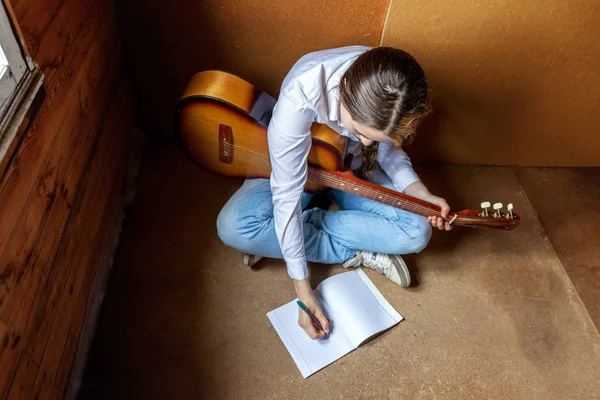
[222, 122]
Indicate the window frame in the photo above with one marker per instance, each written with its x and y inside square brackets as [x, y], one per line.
[20, 81]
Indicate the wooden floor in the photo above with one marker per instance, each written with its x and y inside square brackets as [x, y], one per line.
[492, 314]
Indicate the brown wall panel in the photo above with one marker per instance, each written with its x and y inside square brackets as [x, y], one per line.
[513, 82]
[256, 39]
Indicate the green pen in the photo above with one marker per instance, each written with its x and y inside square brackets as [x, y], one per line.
[312, 317]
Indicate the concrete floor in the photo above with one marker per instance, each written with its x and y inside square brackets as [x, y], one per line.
[493, 315]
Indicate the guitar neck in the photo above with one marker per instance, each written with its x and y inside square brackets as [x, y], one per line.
[347, 182]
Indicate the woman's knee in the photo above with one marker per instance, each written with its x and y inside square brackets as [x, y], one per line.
[422, 235]
[227, 226]
[244, 213]
[416, 236]
[242, 229]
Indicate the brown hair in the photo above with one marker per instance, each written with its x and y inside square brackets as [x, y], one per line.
[385, 89]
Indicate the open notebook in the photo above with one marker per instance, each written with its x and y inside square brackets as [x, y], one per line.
[358, 310]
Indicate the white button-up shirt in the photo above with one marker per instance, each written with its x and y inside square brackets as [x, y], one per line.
[310, 93]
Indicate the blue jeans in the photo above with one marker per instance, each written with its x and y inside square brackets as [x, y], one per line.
[330, 237]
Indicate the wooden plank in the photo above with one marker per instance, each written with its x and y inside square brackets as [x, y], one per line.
[9, 350]
[24, 169]
[62, 170]
[42, 12]
[76, 19]
[4, 340]
[37, 16]
[24, 378]
[77, 254]
[45, 313]
[107, 238]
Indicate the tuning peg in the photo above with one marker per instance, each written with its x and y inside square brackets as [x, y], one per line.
[485, 205]
[509, 207]
[498, 207]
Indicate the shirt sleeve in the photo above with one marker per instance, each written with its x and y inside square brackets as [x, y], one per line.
[289, 144]
[396, 164]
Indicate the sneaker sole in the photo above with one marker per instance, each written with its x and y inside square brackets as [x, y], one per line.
[402, 270]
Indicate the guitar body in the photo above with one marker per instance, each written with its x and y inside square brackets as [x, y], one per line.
[219, 111]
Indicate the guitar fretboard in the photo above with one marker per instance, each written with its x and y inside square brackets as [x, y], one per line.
[380, 194]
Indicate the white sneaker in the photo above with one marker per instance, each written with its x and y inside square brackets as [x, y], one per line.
[390, 265]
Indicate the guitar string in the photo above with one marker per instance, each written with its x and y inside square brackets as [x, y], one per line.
[340, 181]
[333, 181]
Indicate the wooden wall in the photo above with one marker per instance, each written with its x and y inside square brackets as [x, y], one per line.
[258, 40]
[59, 192]
[513, 82]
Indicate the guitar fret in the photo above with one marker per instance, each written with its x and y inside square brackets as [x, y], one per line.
[332, 179]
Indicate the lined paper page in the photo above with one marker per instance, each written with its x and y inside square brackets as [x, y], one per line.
[309, 355]
[362, 310]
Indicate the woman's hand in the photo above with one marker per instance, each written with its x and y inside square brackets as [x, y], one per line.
[305, 295]
[418, 189]
[439, 222]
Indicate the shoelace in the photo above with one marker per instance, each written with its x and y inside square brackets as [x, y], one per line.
[374, 264]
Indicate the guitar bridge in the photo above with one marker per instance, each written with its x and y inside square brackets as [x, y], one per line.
[225, 144]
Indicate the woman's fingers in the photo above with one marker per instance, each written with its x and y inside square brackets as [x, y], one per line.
[440, 223]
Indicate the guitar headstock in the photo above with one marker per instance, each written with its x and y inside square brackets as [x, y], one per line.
[490, 219]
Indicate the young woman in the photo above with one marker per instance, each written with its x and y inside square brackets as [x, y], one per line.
[375, 97]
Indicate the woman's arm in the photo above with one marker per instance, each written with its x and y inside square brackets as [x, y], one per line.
[289, 145]
[397, 165]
